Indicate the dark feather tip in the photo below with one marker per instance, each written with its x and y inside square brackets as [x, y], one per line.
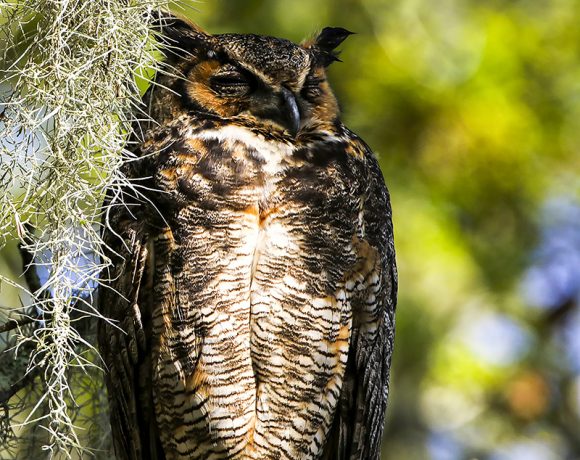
[331, 37]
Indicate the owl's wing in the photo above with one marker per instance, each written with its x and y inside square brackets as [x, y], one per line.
[371, 289]
[122, 338]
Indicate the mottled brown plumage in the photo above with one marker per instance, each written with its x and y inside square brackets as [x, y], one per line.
[254, 285]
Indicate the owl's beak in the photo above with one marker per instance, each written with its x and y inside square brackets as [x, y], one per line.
[290, 111]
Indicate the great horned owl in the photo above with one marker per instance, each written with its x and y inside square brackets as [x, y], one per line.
[253, 288]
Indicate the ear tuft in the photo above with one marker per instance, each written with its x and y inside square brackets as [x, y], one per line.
[331, 37]
[177, 33]
[325, 43]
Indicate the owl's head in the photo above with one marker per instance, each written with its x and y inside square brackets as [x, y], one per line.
[253, 79]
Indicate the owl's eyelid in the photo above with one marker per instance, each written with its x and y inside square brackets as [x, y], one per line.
[230, 78]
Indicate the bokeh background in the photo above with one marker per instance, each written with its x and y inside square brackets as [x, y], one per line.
[474, 111]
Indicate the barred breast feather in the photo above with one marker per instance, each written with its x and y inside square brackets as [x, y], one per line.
[257, 287]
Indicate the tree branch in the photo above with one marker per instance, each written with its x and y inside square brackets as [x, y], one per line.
[26, 380]
[34, 285]
[16, 323]
[32, 280]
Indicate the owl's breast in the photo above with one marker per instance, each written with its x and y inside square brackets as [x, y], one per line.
[253, 324]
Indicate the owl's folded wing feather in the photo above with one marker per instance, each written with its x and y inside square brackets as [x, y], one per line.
[122, 340]
[371, 290]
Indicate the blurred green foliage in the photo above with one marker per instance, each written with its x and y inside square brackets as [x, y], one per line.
[474, 110]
